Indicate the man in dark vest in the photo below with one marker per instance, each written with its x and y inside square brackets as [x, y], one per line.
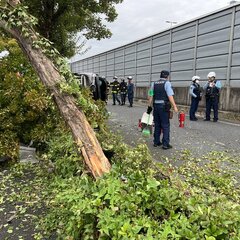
[123, 91]
[161, 97]
[196, 96]
[130, 91]
[115, 90]
[212, 91]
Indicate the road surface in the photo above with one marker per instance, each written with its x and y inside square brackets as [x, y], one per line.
[198, 137]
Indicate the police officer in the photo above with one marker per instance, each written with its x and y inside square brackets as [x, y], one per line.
[196, 96]
[123, 91]
[115, 90]
[212, 91]
[161, 96]
[130, 91]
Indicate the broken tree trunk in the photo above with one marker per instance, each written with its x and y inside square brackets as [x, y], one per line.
[82, 132]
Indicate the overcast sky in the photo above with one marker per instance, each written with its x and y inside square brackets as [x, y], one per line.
[140, 18]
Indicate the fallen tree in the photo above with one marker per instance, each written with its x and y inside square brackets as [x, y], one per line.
[15, 20]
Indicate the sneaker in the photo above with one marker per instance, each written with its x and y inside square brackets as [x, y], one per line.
[167, 147]
[206, 120]
[157, 145]
[215, 120]
[193, 119]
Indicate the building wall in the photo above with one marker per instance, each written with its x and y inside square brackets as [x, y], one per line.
[209, 43]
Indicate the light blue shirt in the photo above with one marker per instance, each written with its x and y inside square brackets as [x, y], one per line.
[192, 87]
[218, 84]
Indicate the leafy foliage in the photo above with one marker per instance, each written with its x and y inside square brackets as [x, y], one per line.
[62, 153]
[61, 21]
[136, 205]
[133, 203]
[26, 111]
[19, 18]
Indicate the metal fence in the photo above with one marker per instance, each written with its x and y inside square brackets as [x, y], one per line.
[208, 43]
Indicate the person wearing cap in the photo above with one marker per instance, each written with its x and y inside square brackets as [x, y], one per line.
[123, 91]
[160, 95]
[115, 90]
[196, 96]
[212, 91]
[130, 91]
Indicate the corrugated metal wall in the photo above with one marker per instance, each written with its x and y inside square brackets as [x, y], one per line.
[210, 43]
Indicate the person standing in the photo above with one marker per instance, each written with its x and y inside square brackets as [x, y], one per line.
[212, 92]
[161, 97]
[123, 91]
[196, 96]
[130, 91]
[115, 90]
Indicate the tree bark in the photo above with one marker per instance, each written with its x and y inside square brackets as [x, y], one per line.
[82, 132]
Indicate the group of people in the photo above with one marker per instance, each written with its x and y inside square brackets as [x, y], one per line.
[161, 100]
[123, 89]
[212, 91]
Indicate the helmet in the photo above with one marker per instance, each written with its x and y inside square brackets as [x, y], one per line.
[195, 78]
[129, 77]
[115, 77]
[211, 74]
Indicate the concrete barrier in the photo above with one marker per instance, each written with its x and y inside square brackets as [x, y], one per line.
[27, 154]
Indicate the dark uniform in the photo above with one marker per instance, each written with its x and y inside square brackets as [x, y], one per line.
[115, 90]
[123, 91]
[161, 108]
[212, 100]
[130, 91]
[196, 93]
[161, 95]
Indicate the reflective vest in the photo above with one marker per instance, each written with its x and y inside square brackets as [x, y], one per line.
[115, 86]
[212, 92]
[123, 87]
[159, 93]
[197, 90]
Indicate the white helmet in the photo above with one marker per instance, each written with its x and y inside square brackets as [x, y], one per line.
[211, 74]
[129, 77]
[115, 77]
[195, 78]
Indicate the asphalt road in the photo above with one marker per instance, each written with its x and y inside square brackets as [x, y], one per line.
[198, 137]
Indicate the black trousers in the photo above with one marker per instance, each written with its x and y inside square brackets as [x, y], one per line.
[123, 98]
[212, 103]
[193, 108]
[130, 99]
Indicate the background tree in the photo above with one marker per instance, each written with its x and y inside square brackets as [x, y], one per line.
[63, 21]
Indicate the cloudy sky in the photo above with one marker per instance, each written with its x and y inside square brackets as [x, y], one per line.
[140, 18]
